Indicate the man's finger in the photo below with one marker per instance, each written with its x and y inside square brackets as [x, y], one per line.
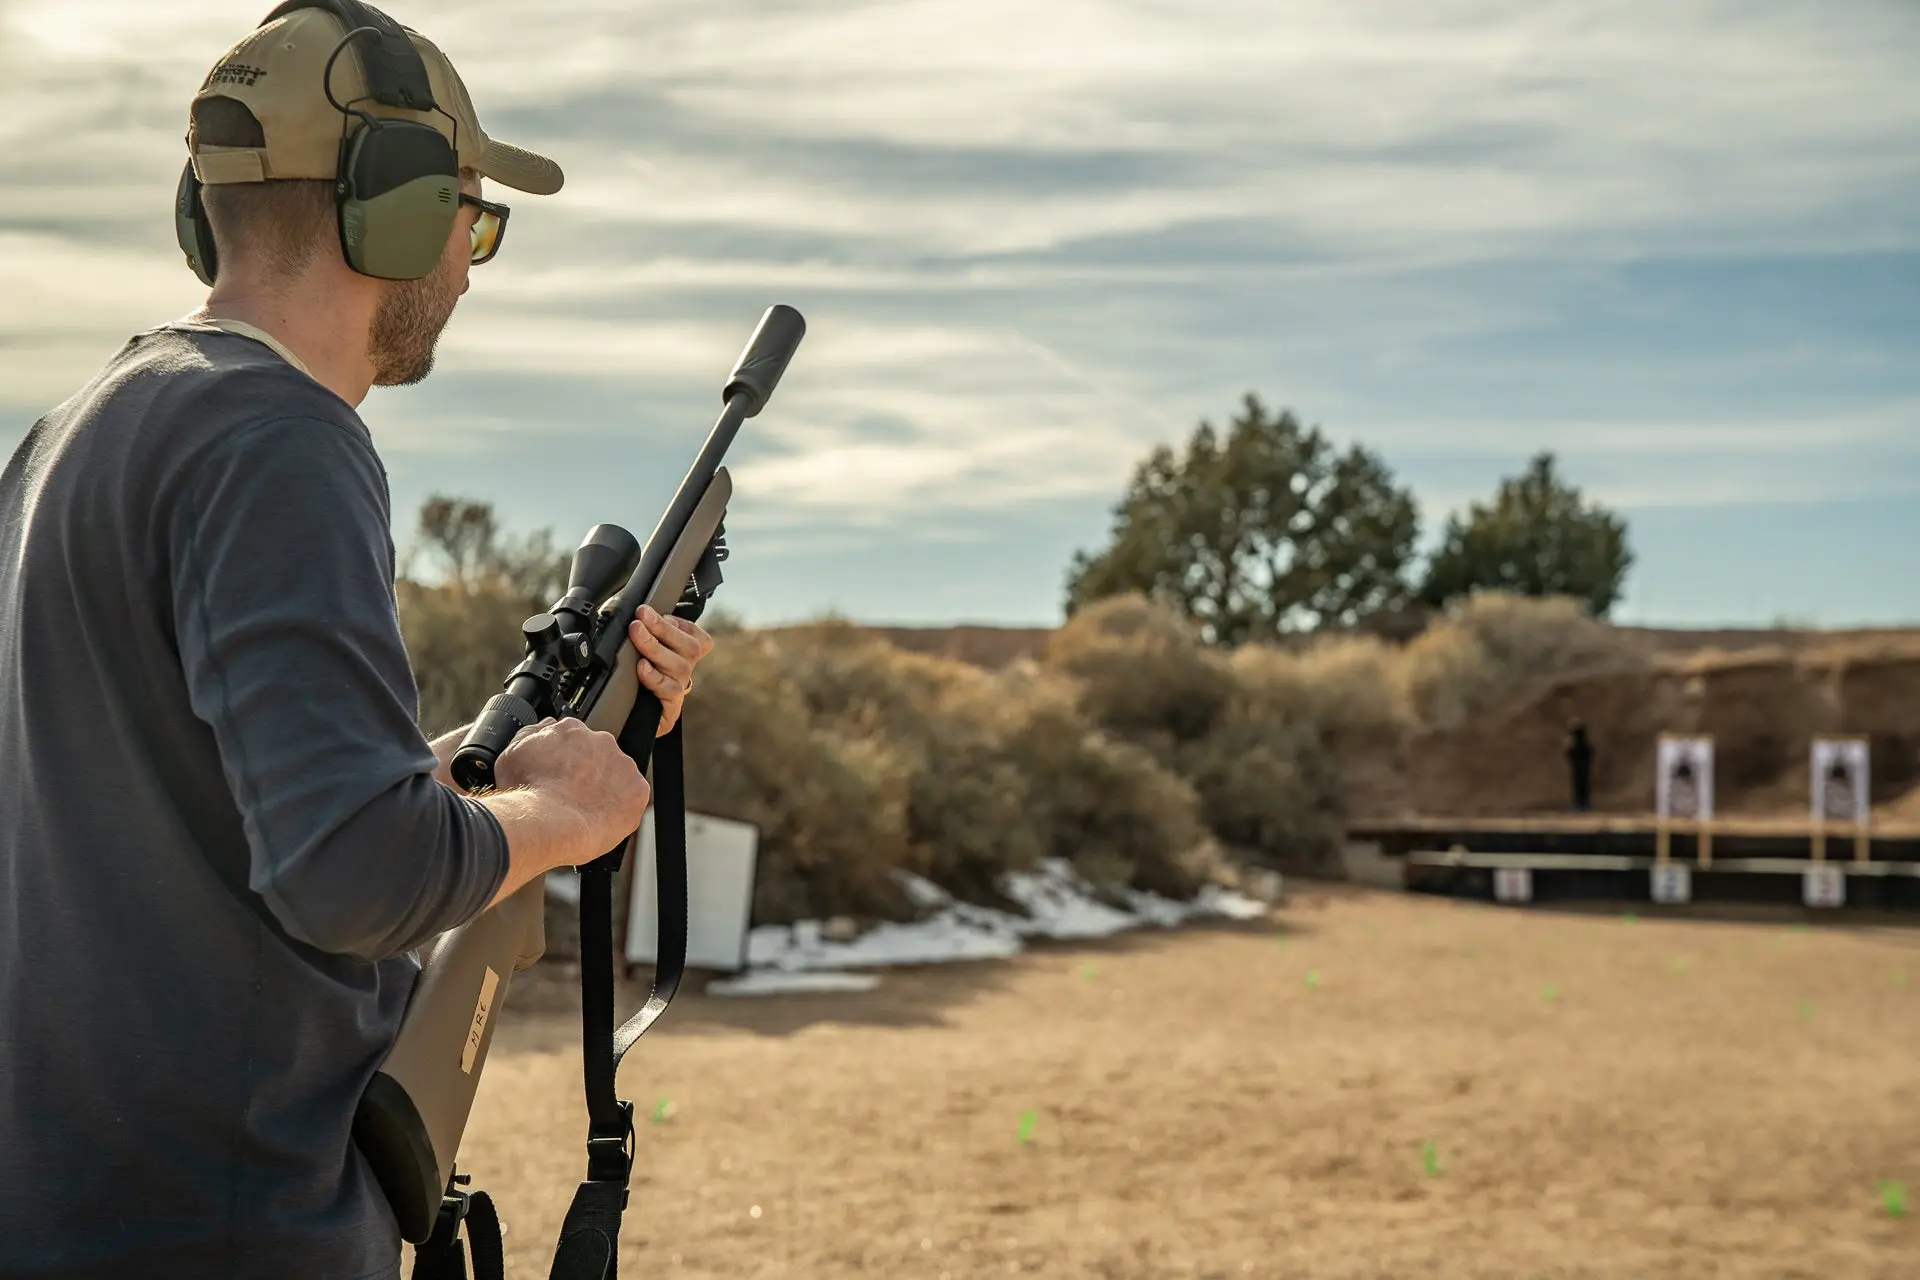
[665, 677]
[668, 659]
[659, 675]
[695, 630]
[651, 645]
[668, 631]
[678, 633]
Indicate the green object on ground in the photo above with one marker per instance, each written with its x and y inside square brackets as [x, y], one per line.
[1470, 953]
[1549, 993]
[1805, 1009]
[1893, 1195]
[1679, 965]
[1313, 977]
[1430, 1156]
[1027, 1120]
[1086, 970]
[1629, 917]
[1899, 977]
[661, 1107]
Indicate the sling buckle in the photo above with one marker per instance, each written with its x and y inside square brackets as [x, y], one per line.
[610, 1156]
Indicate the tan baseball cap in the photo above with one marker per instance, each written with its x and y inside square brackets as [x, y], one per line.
[276, 73]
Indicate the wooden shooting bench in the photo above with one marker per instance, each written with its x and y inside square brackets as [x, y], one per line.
[1634, 858]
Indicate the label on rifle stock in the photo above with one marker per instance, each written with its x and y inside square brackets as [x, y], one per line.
[488, 985]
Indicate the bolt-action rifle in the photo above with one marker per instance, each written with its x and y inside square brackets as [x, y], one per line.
[580, 663]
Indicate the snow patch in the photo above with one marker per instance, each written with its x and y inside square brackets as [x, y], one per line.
[773, 982]
[564, 886]
[1060, 904]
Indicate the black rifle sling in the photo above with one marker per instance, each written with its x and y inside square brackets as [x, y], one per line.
[590, 1235]
[441, 1257]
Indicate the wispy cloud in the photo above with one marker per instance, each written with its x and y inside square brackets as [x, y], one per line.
[1033, 240]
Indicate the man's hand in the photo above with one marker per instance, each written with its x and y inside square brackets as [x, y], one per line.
[581, 770]
[669, 648]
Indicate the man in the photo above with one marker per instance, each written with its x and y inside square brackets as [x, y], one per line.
[1579, 752]
[221, 831]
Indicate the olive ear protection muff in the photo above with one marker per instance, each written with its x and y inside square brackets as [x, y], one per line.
[191, 228]
[397, 184]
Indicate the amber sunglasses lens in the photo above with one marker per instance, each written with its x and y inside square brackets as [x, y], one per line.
[486, 236]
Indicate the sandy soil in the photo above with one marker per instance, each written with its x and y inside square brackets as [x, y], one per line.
[1606, 1097]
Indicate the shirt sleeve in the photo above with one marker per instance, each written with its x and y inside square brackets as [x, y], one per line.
[290, 644]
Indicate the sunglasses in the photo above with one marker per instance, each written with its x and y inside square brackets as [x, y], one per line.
[489, 229]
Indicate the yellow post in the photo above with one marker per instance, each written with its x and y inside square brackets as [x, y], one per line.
[1861, 831]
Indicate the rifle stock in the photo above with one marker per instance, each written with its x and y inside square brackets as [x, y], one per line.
[415, 1109]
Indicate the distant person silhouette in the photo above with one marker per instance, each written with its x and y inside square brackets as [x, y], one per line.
[1580, 765]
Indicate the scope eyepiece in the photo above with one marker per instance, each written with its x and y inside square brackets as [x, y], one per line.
[504, 716]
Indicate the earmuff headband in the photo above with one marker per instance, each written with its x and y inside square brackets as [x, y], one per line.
[395, 73]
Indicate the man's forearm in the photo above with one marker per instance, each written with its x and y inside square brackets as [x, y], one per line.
[542, 835]
[539, 834]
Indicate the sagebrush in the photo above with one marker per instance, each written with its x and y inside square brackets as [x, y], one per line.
[1146, 757]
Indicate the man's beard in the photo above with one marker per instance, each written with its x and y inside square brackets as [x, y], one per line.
[407, 324]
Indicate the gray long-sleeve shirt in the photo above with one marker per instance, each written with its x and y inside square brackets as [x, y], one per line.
[219, 830]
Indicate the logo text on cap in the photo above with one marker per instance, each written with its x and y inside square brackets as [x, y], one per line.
[235, 73]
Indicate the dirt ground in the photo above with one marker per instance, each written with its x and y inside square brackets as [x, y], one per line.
[1606, 1096]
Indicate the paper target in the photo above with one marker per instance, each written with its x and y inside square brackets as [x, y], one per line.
[1840, 781]
[1672, 883]
[1684, 781]
[1512, 884]
[1824, 885]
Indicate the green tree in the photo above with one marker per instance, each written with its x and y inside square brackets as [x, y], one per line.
[1264, 530]
[462, 628]
[464, 537]
[1538, 538]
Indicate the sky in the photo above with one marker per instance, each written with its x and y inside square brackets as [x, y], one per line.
[1677, 243]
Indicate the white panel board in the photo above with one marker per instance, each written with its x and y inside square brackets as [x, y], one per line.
[1672, 883]
[1366, 864]
[1824, 885]
[1839, 785]
[1512, 884]
[721, 856]
[1683, 786]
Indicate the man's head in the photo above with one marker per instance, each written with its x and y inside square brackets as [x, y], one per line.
[411, 314]
[269, 133]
